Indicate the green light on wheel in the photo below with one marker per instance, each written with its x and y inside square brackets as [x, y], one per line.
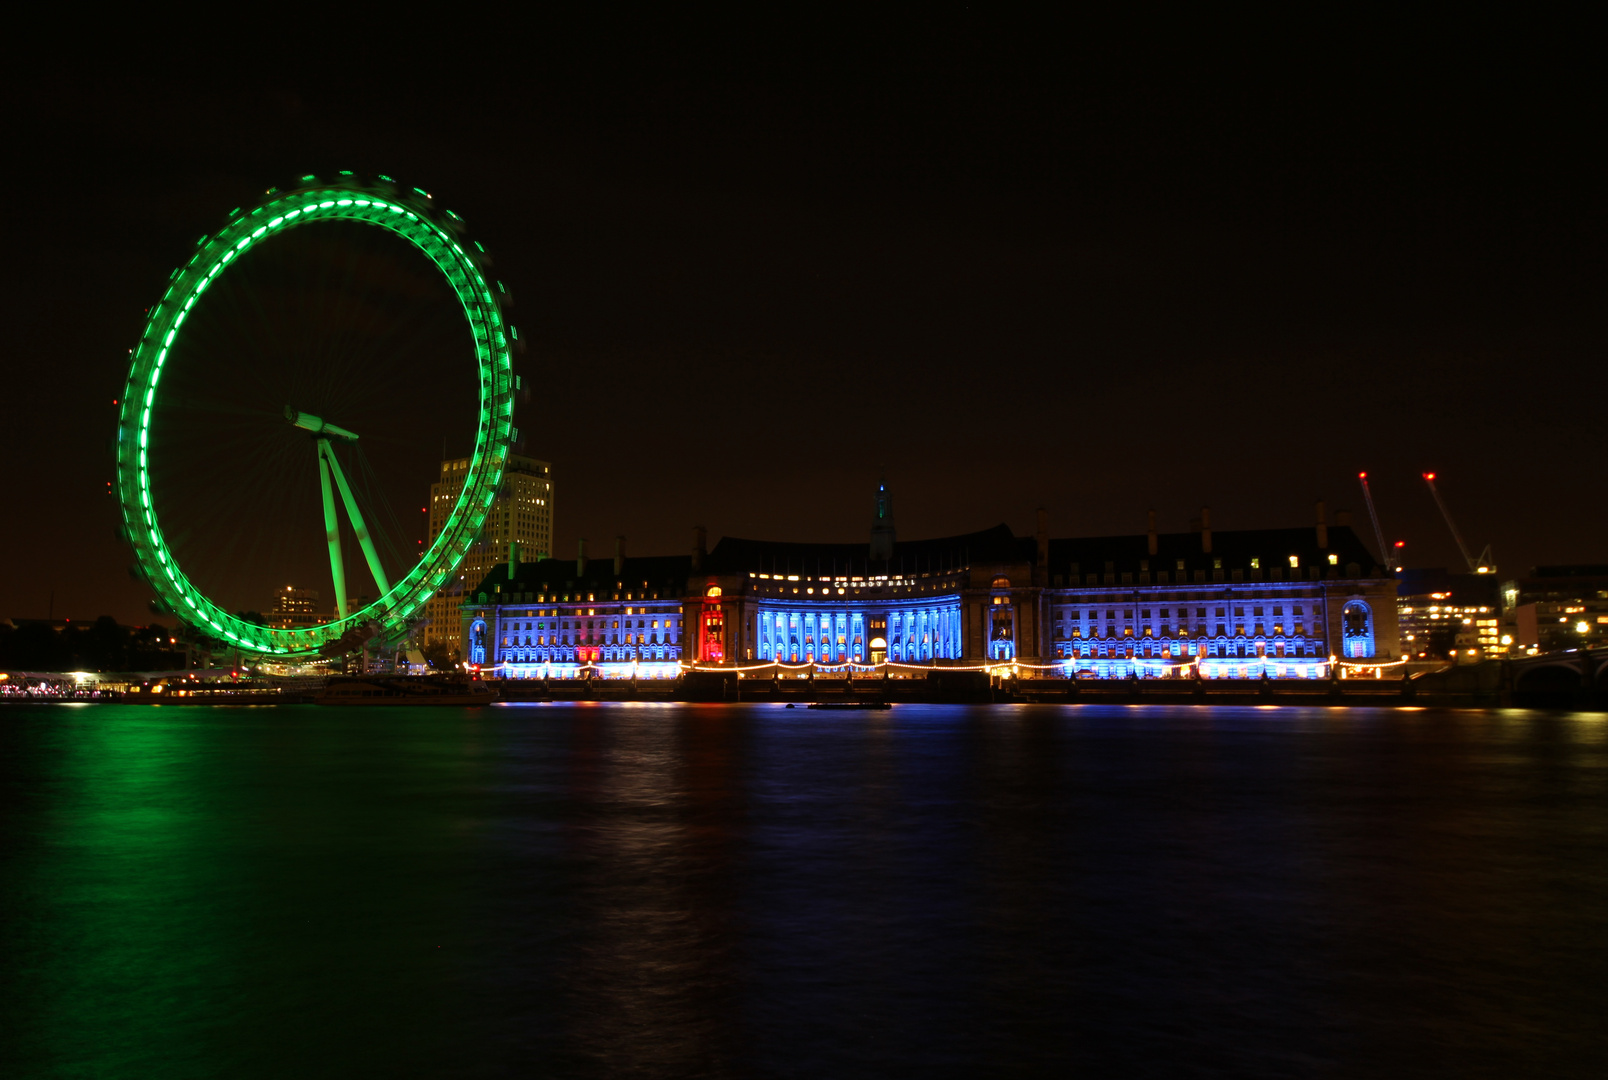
[480, 307]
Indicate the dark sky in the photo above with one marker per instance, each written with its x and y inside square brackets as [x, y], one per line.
[1014, 265]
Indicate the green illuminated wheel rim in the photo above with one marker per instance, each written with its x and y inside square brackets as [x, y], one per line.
[411, 215]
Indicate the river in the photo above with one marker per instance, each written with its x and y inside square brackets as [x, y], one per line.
[756, 891]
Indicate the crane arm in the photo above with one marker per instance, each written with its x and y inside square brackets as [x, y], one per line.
[1379, 534]
[1473, 564]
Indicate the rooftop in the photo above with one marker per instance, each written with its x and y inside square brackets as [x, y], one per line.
[1242, 549]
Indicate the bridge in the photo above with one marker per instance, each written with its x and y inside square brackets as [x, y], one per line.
[1578, 674]
[1576, 678]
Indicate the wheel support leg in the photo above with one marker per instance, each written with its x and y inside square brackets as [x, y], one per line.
[331, 530]
[363, 539]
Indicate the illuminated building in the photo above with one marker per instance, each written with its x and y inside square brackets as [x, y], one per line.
[294, 608]
[551, 616]
[1277, 602]
[520, 523]
[1446, 616]
[1558, 607]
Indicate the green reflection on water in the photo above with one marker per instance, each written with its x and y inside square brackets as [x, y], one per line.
[199, 892]
[120, 946]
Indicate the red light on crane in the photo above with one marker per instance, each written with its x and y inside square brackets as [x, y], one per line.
[1476, 565]
[1373, 515]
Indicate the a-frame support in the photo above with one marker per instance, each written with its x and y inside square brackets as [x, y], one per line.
[327, 464]
[331, 530]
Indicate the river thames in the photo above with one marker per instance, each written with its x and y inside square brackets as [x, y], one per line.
[752, 890]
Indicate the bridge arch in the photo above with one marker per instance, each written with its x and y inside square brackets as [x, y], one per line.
[1547, 683]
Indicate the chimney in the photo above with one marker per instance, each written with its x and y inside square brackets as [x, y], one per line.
[1043, 537]
[513, 560]
[699, 539]
[1206, 530]
[1323, 528]
[1150, 529]
[580, 559]
[619, 556]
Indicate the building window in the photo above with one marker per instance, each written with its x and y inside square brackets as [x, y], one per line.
[1356, 620]
[714, 631]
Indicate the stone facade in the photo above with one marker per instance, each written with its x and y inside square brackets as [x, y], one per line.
[1278, 602]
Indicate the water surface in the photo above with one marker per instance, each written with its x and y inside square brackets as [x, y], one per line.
[749, 890]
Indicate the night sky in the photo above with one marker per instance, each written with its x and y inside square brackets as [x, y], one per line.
[1012, 265]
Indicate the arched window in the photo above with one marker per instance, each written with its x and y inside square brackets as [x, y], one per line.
[1356, 628]
[1000, 617]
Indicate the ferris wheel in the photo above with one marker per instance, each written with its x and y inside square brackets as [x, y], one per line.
[298, 366]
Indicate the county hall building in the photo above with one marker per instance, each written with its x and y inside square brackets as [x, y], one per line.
[1278, 602]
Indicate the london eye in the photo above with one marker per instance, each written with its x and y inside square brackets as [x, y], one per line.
[289, 402]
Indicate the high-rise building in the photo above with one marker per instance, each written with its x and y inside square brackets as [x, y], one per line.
[1447, 616]
[1557, 608]
[295, 608]
[521, 515]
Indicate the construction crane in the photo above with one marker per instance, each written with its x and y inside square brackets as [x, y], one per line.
[1373, 515]
[1480, 565]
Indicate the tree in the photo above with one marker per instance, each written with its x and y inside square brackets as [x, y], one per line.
[441, 656]
[37, 647]
[106, 646]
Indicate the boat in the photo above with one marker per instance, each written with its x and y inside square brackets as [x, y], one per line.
[404, 690]
[851, 705]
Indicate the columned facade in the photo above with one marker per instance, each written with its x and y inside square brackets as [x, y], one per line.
[1275, 603]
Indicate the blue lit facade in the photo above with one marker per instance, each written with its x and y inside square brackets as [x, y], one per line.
[1273, 603]
[553, 618]
[1273, 629]
[829, 631]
